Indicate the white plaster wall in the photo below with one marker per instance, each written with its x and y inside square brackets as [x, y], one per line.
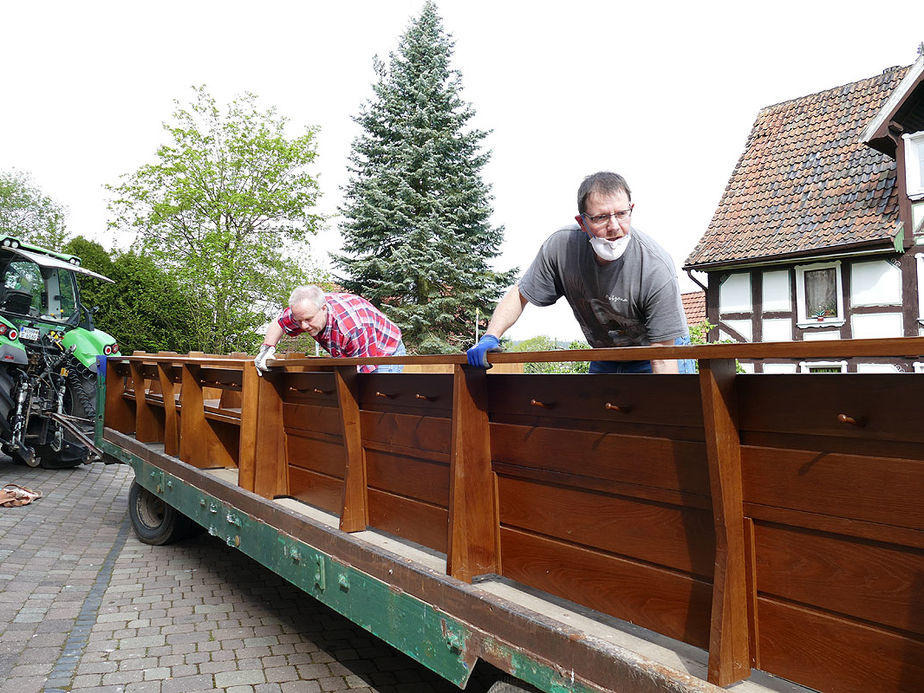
[877, 283]
[780, 368]
[876, 325]
[779, 330]
[818, 336]
[876, 368]
[742, 327]
[735, 294]
[775, 287]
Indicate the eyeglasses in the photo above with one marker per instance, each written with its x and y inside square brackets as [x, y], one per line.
[601, 219]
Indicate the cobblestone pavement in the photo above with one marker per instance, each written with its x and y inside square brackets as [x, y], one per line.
[85, 606]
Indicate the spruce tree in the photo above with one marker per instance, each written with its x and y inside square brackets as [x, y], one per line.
[417, 238]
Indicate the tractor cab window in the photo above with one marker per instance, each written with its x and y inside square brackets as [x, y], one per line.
[45, 292]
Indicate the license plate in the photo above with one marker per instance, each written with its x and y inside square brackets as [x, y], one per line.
[29, 333]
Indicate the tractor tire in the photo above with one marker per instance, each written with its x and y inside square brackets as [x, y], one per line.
[154, 521]
[7, 406]
[79, 400]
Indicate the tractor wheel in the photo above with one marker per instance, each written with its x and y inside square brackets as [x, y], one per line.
[7, 406]
[79, 400]
[154, 521]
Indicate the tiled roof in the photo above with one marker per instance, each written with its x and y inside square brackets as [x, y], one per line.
[694, 306]
[805, 182]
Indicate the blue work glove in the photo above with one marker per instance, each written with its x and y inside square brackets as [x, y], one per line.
[478, 354]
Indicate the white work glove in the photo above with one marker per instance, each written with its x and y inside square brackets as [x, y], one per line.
[266, 353]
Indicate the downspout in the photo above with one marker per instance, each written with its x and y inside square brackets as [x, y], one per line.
[694, 279]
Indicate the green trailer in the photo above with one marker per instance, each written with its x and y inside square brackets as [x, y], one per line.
[576, 533]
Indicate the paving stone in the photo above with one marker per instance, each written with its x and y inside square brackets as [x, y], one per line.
[192, 616]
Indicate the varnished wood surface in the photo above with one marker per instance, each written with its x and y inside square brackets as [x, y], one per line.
[774, 519]
[830, 653]
[864, 580]
[657, 533]
[665, 601]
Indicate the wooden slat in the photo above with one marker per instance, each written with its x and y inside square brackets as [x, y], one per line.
[271, 469]
[312, 418]
[729, 649]
[194, 430]
[421, 433]
[911, 538]
[653, 462]
[665, 601]
[830, 653]
[354, 516]
[616, 488]
[425, 394]
[316, 489]
[119, 413]
[883, 406]
[865, 580]
[319, 455]
[148, 429]
[248, 440]
[873, 489]
[221, 378]
[171, 418]
[416, 521]
[652, 532]
[472, 491]
[553, 400]
[408, 476]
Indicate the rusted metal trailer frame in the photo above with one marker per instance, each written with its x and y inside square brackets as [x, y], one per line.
[585, 533]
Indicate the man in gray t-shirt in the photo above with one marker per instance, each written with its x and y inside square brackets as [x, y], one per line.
[619, 282]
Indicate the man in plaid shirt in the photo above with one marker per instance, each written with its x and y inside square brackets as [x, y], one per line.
[343, 324]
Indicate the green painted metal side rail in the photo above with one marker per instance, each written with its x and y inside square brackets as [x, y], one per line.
[418, 629]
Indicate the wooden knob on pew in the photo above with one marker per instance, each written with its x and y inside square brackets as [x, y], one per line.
[537, 403]
[420, 396]
[845, 419]
[381, 394]
[615, 407]
[318, 391]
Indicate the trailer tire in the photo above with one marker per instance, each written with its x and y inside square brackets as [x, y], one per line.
[510, 684]
[156, 522]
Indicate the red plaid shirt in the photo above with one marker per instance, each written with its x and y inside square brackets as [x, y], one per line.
[355, 327]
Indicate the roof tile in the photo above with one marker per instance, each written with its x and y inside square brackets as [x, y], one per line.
[805, 182]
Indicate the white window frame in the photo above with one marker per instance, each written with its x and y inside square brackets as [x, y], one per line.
[807, 366]
[914, 152]
[919, 263]
[804, 320]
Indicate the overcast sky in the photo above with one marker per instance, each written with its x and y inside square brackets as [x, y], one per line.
[663, 92]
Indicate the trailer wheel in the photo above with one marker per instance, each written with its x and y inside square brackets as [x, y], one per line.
[154, 521]
[509, 684]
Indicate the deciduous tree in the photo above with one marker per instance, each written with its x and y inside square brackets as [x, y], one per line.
[29, 214]
[226, 211]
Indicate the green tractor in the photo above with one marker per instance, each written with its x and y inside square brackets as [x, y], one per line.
[48, 358]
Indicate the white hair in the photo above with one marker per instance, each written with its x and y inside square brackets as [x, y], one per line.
[307, 294]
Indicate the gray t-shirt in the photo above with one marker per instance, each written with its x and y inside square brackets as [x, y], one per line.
[632, 301]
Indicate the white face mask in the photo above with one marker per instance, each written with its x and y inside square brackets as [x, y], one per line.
[610, 250]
